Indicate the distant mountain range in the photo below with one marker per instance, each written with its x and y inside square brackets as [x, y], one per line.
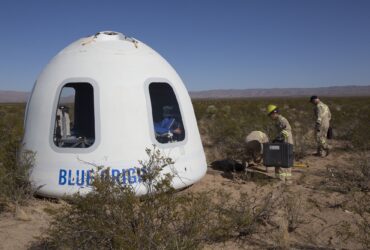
[13, 96]
[19, 97]
[283, 92]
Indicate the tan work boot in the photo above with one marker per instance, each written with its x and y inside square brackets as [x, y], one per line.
[324, 152]
[318, 152]
[327, 151]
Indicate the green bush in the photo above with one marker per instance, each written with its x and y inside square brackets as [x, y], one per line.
[224, 123]
[112, 217]
[14, 168]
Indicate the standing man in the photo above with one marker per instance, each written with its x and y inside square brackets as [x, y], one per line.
[322, 123]
[284, 134]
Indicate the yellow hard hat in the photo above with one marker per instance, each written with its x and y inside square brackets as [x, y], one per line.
[271, 108]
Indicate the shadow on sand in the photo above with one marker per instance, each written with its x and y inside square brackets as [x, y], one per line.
[232, 170]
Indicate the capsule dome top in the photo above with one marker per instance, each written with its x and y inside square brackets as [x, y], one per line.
[107, 40]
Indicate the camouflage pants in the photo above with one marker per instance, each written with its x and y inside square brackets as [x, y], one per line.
[321, 135]
[284, 174]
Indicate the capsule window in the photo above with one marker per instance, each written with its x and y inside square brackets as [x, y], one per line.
[167, 120]
[74, 117]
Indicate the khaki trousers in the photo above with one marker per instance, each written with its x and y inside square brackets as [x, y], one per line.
[321, 136]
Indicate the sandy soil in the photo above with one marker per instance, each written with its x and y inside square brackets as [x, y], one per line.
[323, 210]
[19, 227]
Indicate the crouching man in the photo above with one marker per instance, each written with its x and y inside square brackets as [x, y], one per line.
[254, 145]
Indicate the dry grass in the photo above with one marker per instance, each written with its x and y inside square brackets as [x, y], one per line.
[354, 176]
[14, 168]
[112, 217]
[353, 180]
[224, 123]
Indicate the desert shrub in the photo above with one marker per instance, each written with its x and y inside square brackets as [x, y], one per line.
[117, 219]
[14, 168]
[360, 135]
[111, 216]
[226, 122]
[361, 206]
[350, 119]
[353, 179]
[354, 176]
[231, 120]
[243, 217]
[225, 131]
[302, 144]
[360, 228]
[362, 234]
[14, 176]
[295, 209]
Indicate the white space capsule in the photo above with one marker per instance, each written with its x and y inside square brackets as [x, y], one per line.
[102, 101]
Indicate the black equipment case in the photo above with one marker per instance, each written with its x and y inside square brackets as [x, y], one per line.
[278, 155]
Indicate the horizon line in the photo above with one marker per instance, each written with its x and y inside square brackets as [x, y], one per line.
[218, 89]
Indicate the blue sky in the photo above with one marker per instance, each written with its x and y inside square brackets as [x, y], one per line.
[223, 44]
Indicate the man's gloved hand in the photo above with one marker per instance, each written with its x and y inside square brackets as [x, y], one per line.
[278, 139]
